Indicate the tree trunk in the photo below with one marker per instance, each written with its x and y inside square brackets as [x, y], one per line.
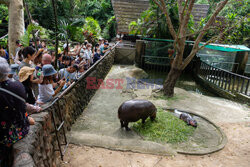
[168, 87]
[54, 4]
[30, 22]
[16, 24]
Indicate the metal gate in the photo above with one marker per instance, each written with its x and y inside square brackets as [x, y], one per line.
[157, 56]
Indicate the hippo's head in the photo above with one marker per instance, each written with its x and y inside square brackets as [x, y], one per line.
[193, 123]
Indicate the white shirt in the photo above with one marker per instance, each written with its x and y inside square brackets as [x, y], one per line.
[88, 54]
[46, 93]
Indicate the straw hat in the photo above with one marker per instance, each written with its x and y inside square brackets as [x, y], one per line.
[25, 72]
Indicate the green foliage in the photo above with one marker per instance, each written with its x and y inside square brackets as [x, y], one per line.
[4, 42]
[236, 14]
[71, 30]
[25, 39]
[143, 26]
[78, 35]
[100, 10]
[92, 29]
[109, 31]
[166, 129]
[3, 20]
[71, 11]
[4, 13]
[152, 22]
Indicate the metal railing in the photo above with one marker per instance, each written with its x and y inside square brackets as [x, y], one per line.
[156, 63]
[225, 80]
[3, 36]
[226, 65]
[247, 69]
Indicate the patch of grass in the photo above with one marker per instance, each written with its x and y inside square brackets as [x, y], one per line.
[166, 129]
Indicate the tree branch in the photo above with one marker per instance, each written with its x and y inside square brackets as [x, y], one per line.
[187, 17]
[183, 10]
[199, 38]
[210, 21]
[191, 34]
[180, 20]
[179, 2]
[220, 36]
[162, 6]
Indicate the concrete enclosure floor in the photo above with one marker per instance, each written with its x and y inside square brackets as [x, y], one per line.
[232, 117]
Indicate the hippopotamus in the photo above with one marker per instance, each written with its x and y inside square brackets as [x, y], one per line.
[134, 110]
[188, 119]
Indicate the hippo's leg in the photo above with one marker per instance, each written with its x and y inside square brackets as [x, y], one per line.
[126, 126]
[122, 124]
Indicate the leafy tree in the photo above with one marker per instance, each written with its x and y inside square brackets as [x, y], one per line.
[153, 23]
[25, 39]
[70, 11]
[237, 16]
[180, 35]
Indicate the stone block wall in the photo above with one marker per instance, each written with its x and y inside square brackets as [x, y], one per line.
[125, 55]
[38, 148]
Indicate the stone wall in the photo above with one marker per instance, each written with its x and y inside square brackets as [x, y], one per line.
[127, 11]
[125, 55]
[199, 11]
[39, 147]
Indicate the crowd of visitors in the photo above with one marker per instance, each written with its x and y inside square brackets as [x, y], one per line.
[33, 81]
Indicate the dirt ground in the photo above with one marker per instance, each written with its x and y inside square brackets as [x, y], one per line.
[233, 118]
[235, 154]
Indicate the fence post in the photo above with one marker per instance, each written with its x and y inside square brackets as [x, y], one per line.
[240, 59]
[140, 50]
[197, 66]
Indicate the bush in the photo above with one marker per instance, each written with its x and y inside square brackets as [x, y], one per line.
[91, 29]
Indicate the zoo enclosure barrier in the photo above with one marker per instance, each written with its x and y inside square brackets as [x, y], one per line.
[226, 65]
[60, 127]
[225, 80]
[155, 55]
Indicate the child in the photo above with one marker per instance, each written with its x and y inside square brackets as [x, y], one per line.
[46, 91]
[80, 72]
